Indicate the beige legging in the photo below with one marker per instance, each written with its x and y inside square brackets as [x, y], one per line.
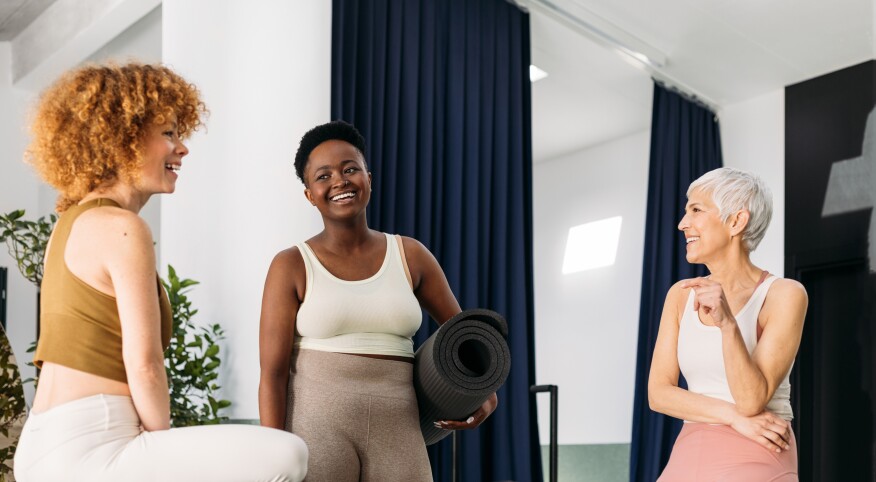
[99, 438]
[359, 418]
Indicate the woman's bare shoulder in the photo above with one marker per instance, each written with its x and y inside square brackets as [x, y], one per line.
[786, 290]
[289, 259]
[677, 296]
[113, 221]
[111, 234]
[412, 244]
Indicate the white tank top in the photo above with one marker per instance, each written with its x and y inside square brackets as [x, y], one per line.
[701, 358]
[375, 316]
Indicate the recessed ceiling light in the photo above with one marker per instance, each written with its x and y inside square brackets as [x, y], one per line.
[592, 245]
[536, 74]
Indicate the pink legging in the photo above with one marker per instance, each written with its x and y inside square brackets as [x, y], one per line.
[717, 453]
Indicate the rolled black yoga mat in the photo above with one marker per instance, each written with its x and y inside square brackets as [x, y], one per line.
[458, 367]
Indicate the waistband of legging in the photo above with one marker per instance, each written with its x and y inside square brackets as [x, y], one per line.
[352, 374]
[118, 406]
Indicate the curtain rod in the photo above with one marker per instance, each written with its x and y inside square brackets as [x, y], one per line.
[652, 61]
[603, 31]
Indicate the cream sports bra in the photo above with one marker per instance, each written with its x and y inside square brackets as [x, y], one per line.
[375, 316]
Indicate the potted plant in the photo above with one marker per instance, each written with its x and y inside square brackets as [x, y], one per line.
[192, 361]
[12, 407]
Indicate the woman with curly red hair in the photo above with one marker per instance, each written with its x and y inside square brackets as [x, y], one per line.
[108, 138]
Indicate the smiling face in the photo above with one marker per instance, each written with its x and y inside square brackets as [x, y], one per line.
[164, 151]
[337, 181]
[706, 235]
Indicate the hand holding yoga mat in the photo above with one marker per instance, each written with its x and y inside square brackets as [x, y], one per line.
[459, 367]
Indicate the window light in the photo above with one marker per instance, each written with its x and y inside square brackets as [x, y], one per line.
[536, 74]
[592, 245]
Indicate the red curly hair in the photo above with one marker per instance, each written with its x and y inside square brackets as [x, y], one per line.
[90, 126]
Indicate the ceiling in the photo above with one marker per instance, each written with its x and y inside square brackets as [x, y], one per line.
[723, 51]
[15, 15]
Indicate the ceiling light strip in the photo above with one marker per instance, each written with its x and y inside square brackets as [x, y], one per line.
[654, 63]
[654, 59]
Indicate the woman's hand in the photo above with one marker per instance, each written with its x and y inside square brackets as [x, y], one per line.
[710, 296]
[767, 429]
[474, 420]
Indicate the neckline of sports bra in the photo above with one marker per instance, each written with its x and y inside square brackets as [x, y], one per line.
[376, 275]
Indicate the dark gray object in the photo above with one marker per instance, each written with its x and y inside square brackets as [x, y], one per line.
[459, 367]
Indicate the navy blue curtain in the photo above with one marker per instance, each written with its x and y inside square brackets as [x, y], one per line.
[440, 90]
[685, 144]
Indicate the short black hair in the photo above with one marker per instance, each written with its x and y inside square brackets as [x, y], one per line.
[330, 131]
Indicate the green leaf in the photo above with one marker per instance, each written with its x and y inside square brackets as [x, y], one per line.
[188, 282]
[212, 351]
[192, 360]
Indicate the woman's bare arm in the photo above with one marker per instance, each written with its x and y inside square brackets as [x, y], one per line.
[434, 294]
[130, 263]
[754, 378]
[280, 304]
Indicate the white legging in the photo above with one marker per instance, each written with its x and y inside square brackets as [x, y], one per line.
[99, 438]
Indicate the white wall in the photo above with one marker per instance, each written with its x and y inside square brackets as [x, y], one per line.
[18, 190]
[753, 139]
[586, 323]
[264, 71]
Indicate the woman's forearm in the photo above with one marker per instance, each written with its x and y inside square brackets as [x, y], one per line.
[747, 384]
[149, 391]
[686, 405]
[272, 401]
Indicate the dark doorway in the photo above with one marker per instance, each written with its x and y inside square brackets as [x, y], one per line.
[833, 402]
[3, 278]
[826, 248]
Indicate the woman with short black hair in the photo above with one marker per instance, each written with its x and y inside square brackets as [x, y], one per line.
[338, 314]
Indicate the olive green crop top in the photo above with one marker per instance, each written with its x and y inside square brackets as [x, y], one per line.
[79, 325]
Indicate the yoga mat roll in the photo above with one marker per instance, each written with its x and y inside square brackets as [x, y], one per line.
[459, 367]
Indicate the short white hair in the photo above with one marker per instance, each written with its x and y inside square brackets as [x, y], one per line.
[734, 190]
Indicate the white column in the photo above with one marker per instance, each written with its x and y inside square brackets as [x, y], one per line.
[753, 139]
[264, 71]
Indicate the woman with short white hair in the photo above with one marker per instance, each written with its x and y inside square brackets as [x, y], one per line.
[734, 336]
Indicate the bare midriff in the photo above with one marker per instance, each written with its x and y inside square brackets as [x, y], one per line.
[59, 384]
[384, 357]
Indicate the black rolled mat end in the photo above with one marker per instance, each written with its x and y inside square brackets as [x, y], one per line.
[459, 367]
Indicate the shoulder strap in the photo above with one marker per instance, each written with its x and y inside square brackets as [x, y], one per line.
[306, 254]
[688, 309]
[404, 260]
[768, 282]
[64, 225]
